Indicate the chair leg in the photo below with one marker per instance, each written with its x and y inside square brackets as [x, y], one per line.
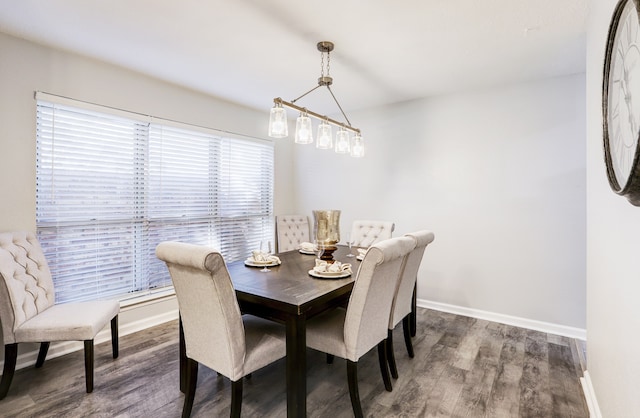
[236, 398]
[330, 358]
[406, 328]
[88, 364]
[10, 357]
[382, 358]
[42, 354]
[413, 321]
[352, 377]
[391, 358]
[191, 381]
[114, 336]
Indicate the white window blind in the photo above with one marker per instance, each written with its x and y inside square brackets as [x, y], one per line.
[110, 188]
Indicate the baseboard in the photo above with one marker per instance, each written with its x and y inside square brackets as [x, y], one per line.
[590, 396]
[61, 348]
[547, 327]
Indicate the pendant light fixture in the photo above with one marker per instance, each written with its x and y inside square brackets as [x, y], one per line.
[304, 131]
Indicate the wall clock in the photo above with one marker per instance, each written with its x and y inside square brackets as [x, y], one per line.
[621, 101]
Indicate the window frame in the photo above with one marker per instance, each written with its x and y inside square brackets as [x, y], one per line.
[244, 164]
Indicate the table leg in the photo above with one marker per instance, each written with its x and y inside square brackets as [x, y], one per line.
[413, 318]
[296, 366]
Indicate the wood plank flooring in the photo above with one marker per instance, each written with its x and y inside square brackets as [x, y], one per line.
[463, 367]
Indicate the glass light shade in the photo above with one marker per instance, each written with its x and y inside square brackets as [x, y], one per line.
[324, 140]
[278, 126]
[342, 141]
[304, 130]
[357, 147]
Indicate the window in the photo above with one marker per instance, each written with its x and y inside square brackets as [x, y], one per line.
[112, 185]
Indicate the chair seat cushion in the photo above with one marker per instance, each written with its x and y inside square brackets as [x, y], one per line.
[76, 321]
[265, 343]
[326, 333]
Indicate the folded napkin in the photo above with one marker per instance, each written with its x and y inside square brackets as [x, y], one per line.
[307, 246]
[258, 256]
[335, 267]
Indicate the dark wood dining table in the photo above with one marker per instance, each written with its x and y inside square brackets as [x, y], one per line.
[289, 295]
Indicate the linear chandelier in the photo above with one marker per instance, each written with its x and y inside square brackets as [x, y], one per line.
[278, 125]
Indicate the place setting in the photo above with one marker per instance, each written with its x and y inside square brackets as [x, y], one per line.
[262, 258]
[326, 270]
[308, 248]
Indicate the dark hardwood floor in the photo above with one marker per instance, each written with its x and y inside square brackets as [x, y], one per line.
[463, 367]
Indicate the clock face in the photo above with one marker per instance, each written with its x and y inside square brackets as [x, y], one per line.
[623, 99]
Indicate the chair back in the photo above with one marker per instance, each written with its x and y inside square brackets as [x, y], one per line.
[291, 230]
[369, 306]
[26, 286]
[402, 303]
[211, 319]
[366, 233]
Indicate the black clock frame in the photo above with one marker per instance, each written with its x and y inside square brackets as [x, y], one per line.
[630, 190]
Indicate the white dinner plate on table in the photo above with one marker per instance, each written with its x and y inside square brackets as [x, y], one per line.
[252, 263]
[359, 257]
[301, 251]
[329, 275]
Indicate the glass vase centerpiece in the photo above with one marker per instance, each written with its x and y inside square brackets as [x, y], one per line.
[326, 228]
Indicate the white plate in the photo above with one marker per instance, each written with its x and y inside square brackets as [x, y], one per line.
[359, 257]
[338, 275]
[252, 263]
[301, 251]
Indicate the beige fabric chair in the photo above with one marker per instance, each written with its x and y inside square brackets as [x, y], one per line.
[215, 332]
[29, 314]
[291, 230]
[350, 333]
[366, 233]
[403, 300]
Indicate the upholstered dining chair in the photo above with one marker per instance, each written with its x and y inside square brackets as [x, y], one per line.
[352, 332]
[216, 334]
[291, 230]
[365, 233]
[403, 299]
[29, 314]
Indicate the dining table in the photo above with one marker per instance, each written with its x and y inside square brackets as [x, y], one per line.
[288, 294]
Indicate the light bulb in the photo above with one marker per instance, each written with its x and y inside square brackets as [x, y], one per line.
[278, 126]
[342, 141]
[324, 140]
[304, 134]
[357, 148]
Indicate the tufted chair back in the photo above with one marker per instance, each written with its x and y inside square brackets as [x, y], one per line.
[365, 233]
[291, 230]
[28, 312]
[26, 286]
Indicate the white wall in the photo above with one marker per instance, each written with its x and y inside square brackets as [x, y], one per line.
[613, 241]
[498, 175]
[26, 67]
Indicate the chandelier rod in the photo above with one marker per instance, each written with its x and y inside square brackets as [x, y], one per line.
[313, 89]
[279, 101]
[339, 107]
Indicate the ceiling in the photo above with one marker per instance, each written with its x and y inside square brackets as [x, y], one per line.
[250, 51]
